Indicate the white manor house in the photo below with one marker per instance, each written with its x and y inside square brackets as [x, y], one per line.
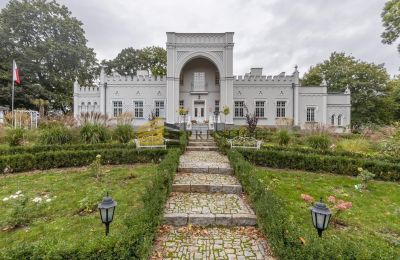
[200, 79]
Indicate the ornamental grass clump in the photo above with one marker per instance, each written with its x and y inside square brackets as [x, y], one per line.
[319, 141]
[283, 137]
[93, 133]
[15, 136]
[123, 133]
[55, 135]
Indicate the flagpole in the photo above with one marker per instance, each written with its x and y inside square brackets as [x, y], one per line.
[12, 98]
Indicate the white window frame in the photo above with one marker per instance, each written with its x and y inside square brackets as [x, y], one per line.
[280, 109]
[242, 108]
[155, 107]
[333, 120]
[139, 108]
[217, 105]
[314, 109]
[340, 120]
[181, 104]
[117, 111]
[263, 109]
[199, 80]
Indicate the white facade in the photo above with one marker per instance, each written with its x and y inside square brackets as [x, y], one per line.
[200, 79]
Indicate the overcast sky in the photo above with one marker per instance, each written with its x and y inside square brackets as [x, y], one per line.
[273, 34]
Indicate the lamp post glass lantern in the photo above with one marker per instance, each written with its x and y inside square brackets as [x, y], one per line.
[320, 215]
[107, 210]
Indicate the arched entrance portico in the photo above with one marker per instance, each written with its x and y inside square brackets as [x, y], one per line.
[199, 89]
[199, 74]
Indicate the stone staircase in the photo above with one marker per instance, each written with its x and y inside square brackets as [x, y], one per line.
[207, 196]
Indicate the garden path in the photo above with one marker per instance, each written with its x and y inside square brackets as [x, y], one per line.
[207, 215]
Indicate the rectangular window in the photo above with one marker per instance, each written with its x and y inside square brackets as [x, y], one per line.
[239, 108]
[159, 107]
[216, 105]
[260, 108]
[199, 81]
[281, 109]
[181, 104]
[138, 109]
[117, 108]
[181, 80]
[217, 78]
[310, 114]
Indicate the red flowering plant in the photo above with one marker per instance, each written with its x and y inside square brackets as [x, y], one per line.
[337, 206]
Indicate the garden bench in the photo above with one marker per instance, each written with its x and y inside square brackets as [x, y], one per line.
[245, 142]
[150, 142]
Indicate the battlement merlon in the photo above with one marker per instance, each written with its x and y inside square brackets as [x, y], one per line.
[255, 76]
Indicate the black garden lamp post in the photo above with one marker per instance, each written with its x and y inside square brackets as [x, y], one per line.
[107, 210]
[320, 215]
[216, 113]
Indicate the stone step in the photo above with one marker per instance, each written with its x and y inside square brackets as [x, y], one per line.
[214, 170]
[205, 209]
[203, 182]
[201, 148]
[210, 243]
[202, 144]
[201, 140]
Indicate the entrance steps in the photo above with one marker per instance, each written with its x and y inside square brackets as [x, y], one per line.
[204, 183]
[201, 148]
[204, 209]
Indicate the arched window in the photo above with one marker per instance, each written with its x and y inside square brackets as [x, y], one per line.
[82, 108]
[333, 120]
[339, 120]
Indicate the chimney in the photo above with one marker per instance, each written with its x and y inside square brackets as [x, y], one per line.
[256, 71]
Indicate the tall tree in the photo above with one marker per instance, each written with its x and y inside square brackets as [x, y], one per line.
[129, 60]
[50, 48]
[368, 83]
[391, 22]
[394, 86]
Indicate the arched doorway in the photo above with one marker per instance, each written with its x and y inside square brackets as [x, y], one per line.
[199, 89]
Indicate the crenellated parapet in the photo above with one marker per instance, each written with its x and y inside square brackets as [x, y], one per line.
[256, 77]
[135, 80]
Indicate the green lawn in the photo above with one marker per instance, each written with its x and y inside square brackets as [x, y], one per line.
[373, 221]
[70, 218]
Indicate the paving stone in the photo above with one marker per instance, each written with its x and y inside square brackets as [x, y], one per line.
[223, 219]
[215, 203]
[210, 243]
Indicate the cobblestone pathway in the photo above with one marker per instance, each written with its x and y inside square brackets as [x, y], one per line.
[207, 216]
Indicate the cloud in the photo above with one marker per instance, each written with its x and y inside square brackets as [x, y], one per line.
[273, 34]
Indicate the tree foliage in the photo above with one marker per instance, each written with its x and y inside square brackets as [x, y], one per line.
[368, 83]
[49, 46]
[394, 86]
[129, 60]
[391, 22]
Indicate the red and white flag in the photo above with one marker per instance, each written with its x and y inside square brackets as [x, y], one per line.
[16, 73]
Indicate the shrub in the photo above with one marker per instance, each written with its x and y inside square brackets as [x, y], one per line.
[75, 158]
[319, 141]
[15, 136]
[94, 133]
[123, 133]
[55, 135]
[321, 163]
[283, 137]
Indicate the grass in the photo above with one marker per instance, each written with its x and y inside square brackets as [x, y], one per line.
[373, 221]
[71, 218]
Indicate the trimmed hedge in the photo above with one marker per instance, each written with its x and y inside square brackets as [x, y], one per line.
[68, 158]
[141, 225]
[319, 163]
[279, 225]
[48, 148]
[307, 150]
